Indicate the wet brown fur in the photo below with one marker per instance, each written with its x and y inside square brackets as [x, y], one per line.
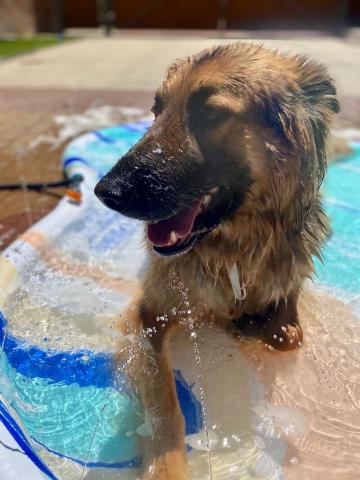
[282, 114]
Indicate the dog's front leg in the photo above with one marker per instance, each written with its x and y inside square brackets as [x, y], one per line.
[165, 455]
[151, 374]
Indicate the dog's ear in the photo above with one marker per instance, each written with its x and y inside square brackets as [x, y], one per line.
[318, 104]
[302, 112]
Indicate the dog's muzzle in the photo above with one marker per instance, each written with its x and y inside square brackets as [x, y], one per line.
[134, 191]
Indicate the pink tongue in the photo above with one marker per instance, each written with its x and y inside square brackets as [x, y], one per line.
[159, 233]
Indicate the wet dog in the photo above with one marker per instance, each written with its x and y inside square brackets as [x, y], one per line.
[227, 183]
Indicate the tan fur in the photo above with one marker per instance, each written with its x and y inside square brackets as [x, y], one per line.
[273, 235]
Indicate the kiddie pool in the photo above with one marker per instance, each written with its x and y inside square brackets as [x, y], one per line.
[67, 413]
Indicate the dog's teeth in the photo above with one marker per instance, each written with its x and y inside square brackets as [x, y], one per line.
[206, 200]
[173, 237]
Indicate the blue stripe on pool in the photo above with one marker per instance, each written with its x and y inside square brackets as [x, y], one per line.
[102, 137]
[58, 366]
[136, 462]
[71, 160]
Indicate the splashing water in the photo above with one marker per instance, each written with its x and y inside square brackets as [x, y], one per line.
[95, 117]
[188, 318]
[20, 155]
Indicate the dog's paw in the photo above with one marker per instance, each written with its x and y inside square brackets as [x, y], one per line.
[278, 327]
[169, 466]
[287, 336]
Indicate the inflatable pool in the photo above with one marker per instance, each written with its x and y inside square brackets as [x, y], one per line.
[67, 413]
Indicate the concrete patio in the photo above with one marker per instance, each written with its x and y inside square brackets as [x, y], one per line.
[124, 62]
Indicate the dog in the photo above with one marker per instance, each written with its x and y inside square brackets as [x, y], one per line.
[226, 181]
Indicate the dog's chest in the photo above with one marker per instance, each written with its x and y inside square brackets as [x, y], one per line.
[212, 297]
[188, 284]
[233, 291]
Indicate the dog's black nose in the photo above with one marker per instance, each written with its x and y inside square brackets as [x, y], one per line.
[136, 190]
[111, 195]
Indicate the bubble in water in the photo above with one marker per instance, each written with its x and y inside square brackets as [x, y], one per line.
[259, 442]
[292, 422]
[264, 466]
[236, 437]
[144, 430]
[202, 441]
[226, 442]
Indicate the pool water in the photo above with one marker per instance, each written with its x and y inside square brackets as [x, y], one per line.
[340, 268]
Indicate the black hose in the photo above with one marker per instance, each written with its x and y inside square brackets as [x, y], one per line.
[33, 186]
[75, 180]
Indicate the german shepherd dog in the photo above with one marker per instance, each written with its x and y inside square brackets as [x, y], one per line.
[226, 181]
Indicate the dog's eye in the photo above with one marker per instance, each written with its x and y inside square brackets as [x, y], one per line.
[213, 114]
[210, 112]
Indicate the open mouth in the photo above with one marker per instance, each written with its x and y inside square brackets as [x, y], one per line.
[179, 233]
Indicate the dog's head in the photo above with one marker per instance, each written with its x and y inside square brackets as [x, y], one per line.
[237, 128]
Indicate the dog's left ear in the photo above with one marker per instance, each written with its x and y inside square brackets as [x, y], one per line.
[303, 112]
[318, 90]
[317, 103]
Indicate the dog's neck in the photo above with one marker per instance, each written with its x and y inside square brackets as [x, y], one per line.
[269, 258]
